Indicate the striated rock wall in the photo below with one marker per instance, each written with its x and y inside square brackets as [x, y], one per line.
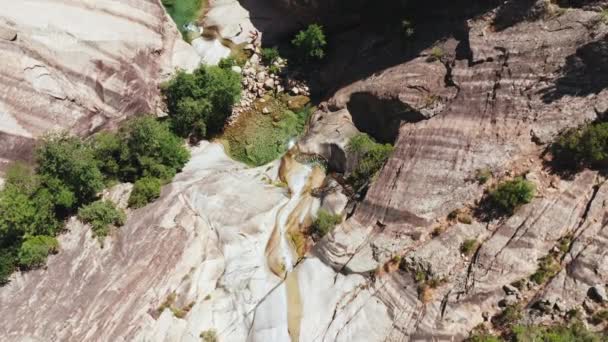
[81, 65]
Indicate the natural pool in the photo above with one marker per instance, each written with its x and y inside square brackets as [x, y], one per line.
[184, 11]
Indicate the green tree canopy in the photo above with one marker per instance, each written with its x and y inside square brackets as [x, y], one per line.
[199, 103]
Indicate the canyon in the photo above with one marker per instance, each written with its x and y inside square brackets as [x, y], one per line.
[480, 87]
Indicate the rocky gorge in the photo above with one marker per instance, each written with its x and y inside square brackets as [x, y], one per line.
[478, 87]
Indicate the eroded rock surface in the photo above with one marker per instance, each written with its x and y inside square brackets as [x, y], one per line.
[80, 66]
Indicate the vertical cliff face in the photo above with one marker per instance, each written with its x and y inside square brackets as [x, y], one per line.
[80, 66]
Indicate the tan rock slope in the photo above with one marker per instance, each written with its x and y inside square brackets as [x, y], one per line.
[80, 65]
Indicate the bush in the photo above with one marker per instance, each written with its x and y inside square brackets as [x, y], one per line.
[25, 206]
[209, 336]
[142, 147]
[370, 157]
[110, 152]
[311, 42]
[586, 146]
[511, 194]
[548, 267]
[270, 55]
[509, 316]
[35, 249]
[8, 262]
[560, 333]
[69, 169]
[199, 103]
[325, 222]
[144, 191]
[468, 246]
[153, 150]
[101, 215]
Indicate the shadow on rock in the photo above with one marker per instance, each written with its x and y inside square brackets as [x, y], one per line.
[585, 72]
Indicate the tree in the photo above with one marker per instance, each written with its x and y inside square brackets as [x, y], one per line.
[69, 167]
[369, 156]
[584, 146]
[311, 42]
[511, 194]
[152, 150]
[110, 152]
[101, 215]
[199, 103]
[144, 191]
[35, 249]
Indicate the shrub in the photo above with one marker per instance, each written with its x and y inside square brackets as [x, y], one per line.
[575, 331]
[511, 194]
[509, 316]
[311, 42]
[101, 215]
[199, 103]
[25, 206]
[209, 336]
[153, 150]
[8, 262]
[110, 153]
[69, 169]
[548, 267]
[35, 249]
[325, 222]
[144, 191]
[586, 146]
[370, 157]
[227, 63]
[468, 246]
[270, 55]
[437, 54]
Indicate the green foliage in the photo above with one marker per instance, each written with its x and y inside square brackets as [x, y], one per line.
[199, 103]
[8, 262]
[145, 190]
[227, 63]
[261, 138]
[209, 336]
[101, 215]
[585, 146]
[483, 337]
[370, 157]
[270, 55]
[110, 152]
[509, 316]
[153, 150]
[574, 332]
[35, 249]
[25, 206]
[325, 222]
[511, 194]
[548, 267]
[468, 246]
[69, 169]
[311, 42]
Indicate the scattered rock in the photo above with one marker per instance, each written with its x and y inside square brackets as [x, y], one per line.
[510, 290]
[269, 84]
[265, 110]
[236, 69]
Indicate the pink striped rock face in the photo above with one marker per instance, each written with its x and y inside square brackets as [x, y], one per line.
[81, 65]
